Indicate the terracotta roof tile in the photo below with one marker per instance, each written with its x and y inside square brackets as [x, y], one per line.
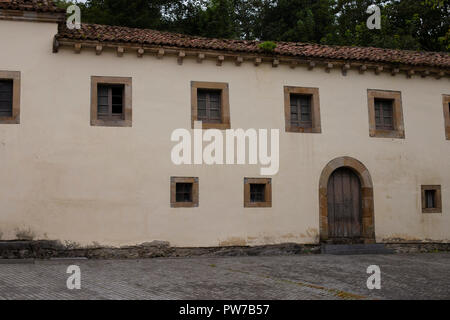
[30, 5]
[103, 33]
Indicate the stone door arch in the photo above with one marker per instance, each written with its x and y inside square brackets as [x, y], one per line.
[368, 221]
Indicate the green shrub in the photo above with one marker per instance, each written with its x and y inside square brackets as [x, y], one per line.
[268, 46]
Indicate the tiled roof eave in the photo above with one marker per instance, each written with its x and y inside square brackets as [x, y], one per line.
[31, 5]
[291, 59]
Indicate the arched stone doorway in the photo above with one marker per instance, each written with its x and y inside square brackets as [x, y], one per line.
[357, 174]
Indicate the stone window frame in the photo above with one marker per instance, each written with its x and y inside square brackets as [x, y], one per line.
[173, 192]
[446, 105]
[268, 193]
[397, 112]
[15, 77]
[127, 106]
[438, 198]
[315, 109]
[224, 108]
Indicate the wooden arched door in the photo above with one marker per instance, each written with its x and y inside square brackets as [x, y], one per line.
[344, 206]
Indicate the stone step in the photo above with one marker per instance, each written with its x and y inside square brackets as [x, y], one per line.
[350, 249]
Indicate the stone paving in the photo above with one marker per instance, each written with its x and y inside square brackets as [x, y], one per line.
[403, 276]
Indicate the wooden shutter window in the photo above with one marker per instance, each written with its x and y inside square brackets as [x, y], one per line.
[110, 102]
[301, 110]
[6, 98]
[385, 114]
[209, 105]
[384, 110]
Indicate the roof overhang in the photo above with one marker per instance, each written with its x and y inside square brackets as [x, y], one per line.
[181, 53]
[35, 16]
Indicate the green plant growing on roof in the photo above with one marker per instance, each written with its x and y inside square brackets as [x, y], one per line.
[267, 46]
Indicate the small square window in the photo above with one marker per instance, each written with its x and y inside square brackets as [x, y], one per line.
[431, 199]
[111, 101]
[302, 109]
[9, 97]
[257, 192]
[183, 192]
[210, 104]
[446, 102]
[385, 114]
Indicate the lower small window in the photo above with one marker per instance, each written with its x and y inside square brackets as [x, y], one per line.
[431, 199]
[257, 192]
[183, 192]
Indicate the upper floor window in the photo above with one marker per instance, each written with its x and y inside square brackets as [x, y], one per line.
[446, 102]
[302, 109]
[385, 114]
[6, 94]
[210, 104]
[111, 101]
[9, 97]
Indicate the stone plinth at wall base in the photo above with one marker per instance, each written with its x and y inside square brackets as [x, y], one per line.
[45, 249]
[155, 249]
[419, 247]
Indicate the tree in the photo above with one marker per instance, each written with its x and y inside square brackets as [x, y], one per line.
[405, 24]
[296, 20]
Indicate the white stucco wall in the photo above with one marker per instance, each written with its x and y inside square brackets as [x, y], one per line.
[63, 179]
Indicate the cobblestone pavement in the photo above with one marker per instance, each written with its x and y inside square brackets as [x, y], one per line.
[412, 276]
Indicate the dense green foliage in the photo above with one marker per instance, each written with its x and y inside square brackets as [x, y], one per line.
[405, 24]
